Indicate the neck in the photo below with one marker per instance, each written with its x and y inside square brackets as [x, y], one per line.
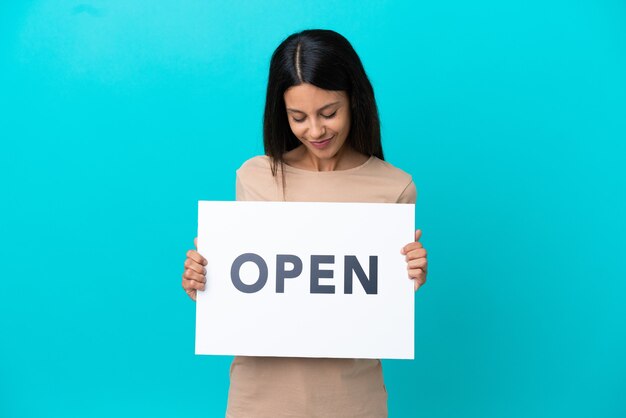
[346, 158]
[340, 161]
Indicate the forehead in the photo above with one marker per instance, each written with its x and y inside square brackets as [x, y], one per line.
[308, 97]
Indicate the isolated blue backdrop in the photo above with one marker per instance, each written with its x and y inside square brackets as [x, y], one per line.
[116, 117]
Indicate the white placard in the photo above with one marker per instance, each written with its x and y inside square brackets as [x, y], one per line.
[311, 314]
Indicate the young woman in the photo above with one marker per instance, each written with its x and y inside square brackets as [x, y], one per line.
[322, 144]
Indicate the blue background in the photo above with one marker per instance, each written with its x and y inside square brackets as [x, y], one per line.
[117, 117]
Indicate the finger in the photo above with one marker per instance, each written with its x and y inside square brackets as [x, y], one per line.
[195, 242]
[195, 256]
[418, 275]
[411, 246]
[192, 284]
[418, 234]
[419, 263]
[192, 275]
[191, 293]
[198, 268]
[416, 253]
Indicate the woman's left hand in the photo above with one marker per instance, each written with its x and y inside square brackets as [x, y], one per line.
[417, 264]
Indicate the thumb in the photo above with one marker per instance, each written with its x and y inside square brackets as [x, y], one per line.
[195, 242]
[418, 234]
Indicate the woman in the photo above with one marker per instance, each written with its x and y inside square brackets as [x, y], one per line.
[322, 143]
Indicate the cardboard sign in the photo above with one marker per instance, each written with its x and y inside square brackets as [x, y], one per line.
[296, 279]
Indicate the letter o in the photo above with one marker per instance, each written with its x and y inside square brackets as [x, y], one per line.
[236, 278]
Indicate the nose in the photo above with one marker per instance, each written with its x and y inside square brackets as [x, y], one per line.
[317, 130]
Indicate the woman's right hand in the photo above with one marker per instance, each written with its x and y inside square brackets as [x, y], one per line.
[194, 275]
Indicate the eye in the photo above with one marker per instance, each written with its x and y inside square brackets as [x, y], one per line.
[297, 120]
[332, 115]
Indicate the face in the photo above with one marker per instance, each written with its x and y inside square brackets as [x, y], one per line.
[319, 118]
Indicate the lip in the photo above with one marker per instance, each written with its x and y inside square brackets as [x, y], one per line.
[323, 143]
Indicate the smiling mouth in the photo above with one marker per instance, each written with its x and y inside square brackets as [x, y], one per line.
[321, 144]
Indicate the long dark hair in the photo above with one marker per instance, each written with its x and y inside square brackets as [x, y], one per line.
[326, 60]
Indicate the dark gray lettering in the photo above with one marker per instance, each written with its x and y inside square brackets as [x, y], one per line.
[282, 274]
[236, 278]
[317, 274]
[352, 265]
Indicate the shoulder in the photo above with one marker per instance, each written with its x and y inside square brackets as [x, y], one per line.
[255, 180]
[390, 172]
[254, 164]
[396, 180]
[255, 169]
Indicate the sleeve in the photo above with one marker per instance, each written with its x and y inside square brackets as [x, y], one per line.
[409, 194]
[240, 192]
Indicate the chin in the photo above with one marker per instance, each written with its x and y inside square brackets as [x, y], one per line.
[323, 153]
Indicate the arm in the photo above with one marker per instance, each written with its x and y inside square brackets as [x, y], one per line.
[416, 255]
[194, 275]
[416, 259]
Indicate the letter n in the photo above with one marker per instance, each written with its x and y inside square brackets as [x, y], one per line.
[352, 265]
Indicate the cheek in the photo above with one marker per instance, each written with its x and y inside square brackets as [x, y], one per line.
[294, 129]
[342, 126]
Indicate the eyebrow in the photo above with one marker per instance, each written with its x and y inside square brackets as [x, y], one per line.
[321, 108]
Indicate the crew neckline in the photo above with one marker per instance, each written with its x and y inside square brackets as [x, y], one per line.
[348, 170]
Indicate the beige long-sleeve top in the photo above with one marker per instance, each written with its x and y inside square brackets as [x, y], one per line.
[276, 387]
